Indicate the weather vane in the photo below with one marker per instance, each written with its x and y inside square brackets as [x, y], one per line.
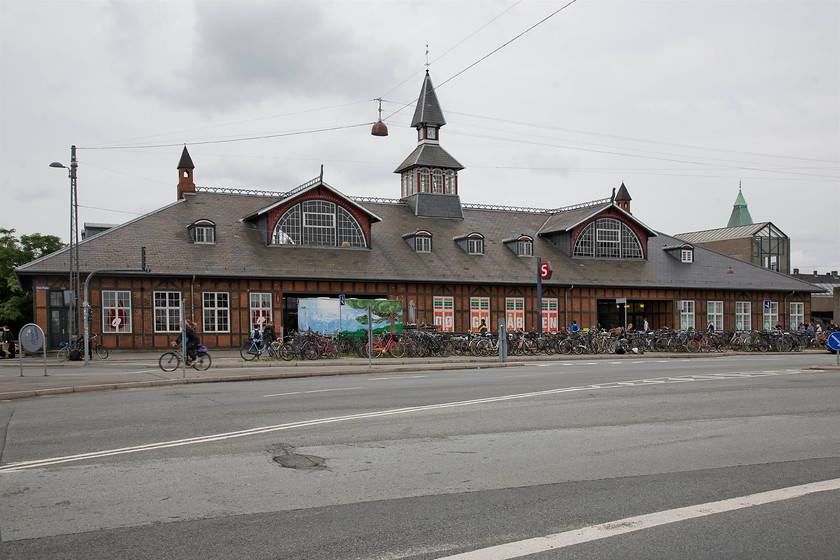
[427, 56]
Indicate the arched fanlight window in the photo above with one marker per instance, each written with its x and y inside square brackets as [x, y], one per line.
[320, 223]
[608, 238]
[202, 232]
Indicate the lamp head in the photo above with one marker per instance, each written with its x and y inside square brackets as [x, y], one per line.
[57, 164]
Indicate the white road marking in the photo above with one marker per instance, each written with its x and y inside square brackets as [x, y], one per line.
[641, 522]
[392, 377]
[313, 391]
[352, 417]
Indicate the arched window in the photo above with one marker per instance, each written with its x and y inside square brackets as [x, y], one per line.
[318, 222]
[608, 238]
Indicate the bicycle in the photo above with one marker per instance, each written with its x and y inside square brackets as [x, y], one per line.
[252, 349]
[96, 347]
[386, 344]
[170, 361]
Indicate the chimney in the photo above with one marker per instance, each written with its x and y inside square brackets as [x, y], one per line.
[796, 272]
[816, 273]
[185, 174]
[834, 273]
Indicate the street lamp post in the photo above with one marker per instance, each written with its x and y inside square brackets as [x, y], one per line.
[74, 242]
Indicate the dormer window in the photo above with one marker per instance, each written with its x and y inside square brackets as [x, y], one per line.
[318, 223]
[684, 252]
[608, 238]
[423, 242]
[523, 245]
[202, 232]
[475, 244]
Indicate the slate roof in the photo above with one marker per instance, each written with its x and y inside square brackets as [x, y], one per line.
[240, 251]
[429, 155]
[186, 161]
[427, 111]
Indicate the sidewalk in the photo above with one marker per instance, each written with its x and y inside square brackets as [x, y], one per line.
[140, 369]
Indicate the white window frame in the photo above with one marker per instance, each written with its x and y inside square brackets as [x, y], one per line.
[687, 255]
[687, 314]
[111, 307]
[770, 315]
[423, 243]
[167, 315]
[714, 314]
[525, 248]
[260, 309]
[215, 312]
[797, 315]
[205, 235]
[743, 316]
[475, 245]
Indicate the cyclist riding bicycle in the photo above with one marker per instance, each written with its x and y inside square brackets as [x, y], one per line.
[193, 341]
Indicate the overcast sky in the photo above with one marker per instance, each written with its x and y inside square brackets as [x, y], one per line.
[680, 100]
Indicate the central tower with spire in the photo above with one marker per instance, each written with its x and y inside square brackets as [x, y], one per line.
[429, 176]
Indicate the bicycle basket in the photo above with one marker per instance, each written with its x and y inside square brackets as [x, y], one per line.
[201, 348]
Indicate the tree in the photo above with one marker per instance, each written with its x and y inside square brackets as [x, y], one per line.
[15, 303]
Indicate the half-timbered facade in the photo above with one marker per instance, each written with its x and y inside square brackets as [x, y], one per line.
[235, 258]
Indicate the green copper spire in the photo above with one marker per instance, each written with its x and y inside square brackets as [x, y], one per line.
[740, 214]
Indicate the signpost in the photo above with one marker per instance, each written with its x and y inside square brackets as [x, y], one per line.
[543, 273]
[31, 338]
[834, 343]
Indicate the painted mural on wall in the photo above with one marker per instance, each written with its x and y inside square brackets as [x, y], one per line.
[328, 316]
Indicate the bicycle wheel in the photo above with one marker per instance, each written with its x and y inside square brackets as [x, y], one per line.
[169, 361]
[397, 350]
[249, 351]
[63, 353]
[287, 352]
[202, 361]
[101, 351]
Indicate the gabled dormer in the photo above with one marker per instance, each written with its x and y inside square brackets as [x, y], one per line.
[600, 229]
[315, 215]
[429, 171]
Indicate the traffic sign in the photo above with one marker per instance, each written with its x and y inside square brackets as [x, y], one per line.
[834, 341]
[545, 270]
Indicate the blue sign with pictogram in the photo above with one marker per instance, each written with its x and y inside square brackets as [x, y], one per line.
[834, 341]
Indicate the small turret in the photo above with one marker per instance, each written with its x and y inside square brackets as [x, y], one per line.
[185, 174]
[622, 198]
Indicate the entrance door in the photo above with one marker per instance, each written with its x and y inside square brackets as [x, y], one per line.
[58, 314]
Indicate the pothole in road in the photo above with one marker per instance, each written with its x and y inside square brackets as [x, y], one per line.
[287, 458]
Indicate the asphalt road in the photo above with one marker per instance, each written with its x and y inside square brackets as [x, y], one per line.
[600, 459]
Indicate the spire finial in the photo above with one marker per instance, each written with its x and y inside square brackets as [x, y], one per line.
[427, 56]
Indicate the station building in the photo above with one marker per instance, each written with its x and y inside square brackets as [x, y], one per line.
[235, 258]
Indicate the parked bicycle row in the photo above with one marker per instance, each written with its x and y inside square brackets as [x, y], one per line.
[312, 346]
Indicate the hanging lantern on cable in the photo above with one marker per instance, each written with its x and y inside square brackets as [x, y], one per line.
[379, 128]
